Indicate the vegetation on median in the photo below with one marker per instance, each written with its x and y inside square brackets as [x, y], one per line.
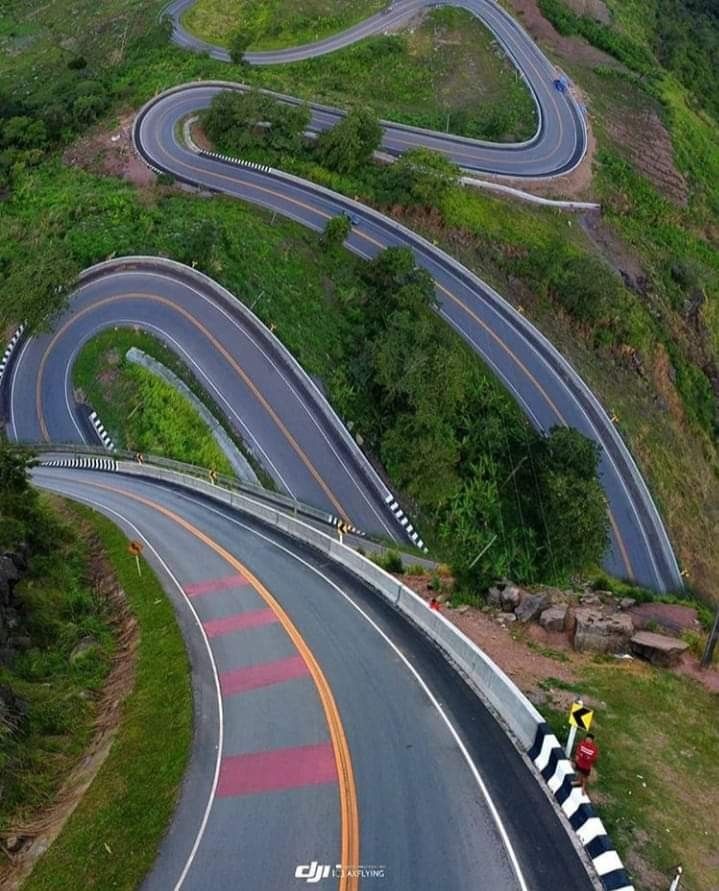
[140, 411]
[525, 252]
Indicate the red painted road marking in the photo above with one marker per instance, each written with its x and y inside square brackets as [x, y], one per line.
[277, 769]
[251, 619]
[229, 581]
[253, 676]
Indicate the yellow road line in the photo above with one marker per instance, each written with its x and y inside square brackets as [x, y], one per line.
[220, 348]
[349, 812]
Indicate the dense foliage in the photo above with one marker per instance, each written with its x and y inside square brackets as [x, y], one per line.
[21, 518]
[351, 143]
[247, 119]
[502, 498]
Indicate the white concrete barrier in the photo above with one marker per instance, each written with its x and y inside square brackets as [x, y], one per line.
[507, 701]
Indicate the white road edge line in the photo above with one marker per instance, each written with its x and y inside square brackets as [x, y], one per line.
[450, 726]
[220, 736]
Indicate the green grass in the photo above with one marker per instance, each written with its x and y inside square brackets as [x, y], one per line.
[658, 737]
[58, 608]
[276, 24]
[111, 839]
[140, 411]
[447, 74]
[163, 421]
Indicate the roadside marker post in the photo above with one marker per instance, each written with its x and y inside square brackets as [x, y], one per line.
[677, 878]
[342, 529]
[135, 549]
[579, 716]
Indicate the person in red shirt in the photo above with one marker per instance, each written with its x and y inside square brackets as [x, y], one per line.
[585, 758]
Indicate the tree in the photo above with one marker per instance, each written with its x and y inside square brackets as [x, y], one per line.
[21, 518]
[238, 45]
[351, 142]
[421, 177]
[336, 231]
[242, 120]
[570, 506]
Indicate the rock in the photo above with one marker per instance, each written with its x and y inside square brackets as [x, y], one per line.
[553, 618]
[627, 603]
[510, 598]
[82, 648]
[590, 599]
[463, 608]
[531, 607]
[659, 649]
[556, 595]
[494, 597]
[599, 633]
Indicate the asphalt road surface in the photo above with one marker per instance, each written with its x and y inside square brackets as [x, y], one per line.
[327, 728]
[556, 148]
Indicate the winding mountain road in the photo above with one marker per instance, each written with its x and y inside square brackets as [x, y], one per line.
[556, 148]
[291, 435]
[328, 730]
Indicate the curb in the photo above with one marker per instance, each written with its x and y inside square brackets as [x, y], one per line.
[556, 770]
[288, 365]
[524, 725]
[106, 464]
[102, 432]
[10, 349]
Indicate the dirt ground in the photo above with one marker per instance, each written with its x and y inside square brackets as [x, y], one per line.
[529, 654]
[110, 152]
[572, 48]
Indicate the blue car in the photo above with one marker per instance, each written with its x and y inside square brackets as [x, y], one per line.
[560, 85]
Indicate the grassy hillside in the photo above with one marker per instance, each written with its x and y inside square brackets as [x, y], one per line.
[444, 72]
[275, 24]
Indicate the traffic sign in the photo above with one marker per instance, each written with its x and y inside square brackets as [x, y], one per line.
[135, 548]
[580, 716]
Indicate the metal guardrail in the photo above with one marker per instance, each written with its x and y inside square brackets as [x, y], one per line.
[278, 500]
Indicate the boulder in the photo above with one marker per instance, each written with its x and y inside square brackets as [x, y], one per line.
[494, 597]
[627, 603]
[531, 607]
[510, 598]
[553, 618]
[659, 649]
[599, 633]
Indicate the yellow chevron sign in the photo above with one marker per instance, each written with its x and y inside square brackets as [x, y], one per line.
[580, 716]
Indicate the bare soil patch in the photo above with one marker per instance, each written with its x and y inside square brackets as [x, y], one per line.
[110, 152]
[573, 49]
[530, 655]
[645, 139]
